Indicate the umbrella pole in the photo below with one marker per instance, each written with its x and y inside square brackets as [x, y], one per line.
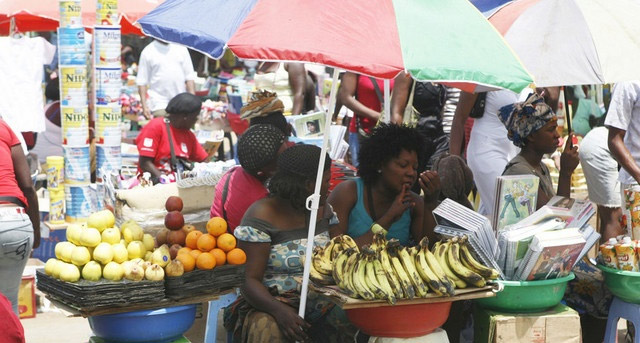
[313, 200]
[387, 103]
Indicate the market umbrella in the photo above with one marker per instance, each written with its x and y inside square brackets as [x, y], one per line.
[44, 15]
[573, 42]
[444, 41]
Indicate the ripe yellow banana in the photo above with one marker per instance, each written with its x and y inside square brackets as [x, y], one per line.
[410, 267]
[441, 256]
[347, 272]
[392, 277]
[337, 247]
[372, 281]
[321, 261]
[403, 277]
[453, 257]
[326, 251]
[359, 279]
[319, 278]
[383, 281]
[338, 266]
[428, 275]
[470, 262]
[348, 242]
[433, 263]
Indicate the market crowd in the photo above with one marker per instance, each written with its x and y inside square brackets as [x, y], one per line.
[438, 145]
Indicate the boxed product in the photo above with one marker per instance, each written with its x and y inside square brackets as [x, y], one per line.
[27, 298]
[560, 324]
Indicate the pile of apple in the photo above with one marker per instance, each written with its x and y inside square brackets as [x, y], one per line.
[99, 249]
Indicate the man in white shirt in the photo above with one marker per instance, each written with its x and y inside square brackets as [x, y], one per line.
[623, 121]
[165, 70]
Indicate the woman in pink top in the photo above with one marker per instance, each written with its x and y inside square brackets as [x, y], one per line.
[240, 187]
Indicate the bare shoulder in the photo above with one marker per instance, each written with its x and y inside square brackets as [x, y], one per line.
[345, 192]
[263, 209]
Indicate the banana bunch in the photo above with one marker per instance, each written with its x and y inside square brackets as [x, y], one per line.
[323, 259]
[459, 265]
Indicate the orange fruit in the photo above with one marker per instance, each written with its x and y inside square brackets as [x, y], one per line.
[206, 261]
[184, 250]
[188, 261]
[195, 253]
[192, 239]
[206, 242]
[216, 226]
[220, 255]
[236, 256]
[226, 242]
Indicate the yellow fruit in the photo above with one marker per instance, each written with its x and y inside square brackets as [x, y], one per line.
[149, 242]
[113, 271]
[136, 249]
[103, 253]
[69, 273]
[111, 235]
[90, 237]
[74, 231]
[64, 250]
[92, 271]
[216, 226]
[50, 266]
[120, 253]
[132, 233]
[80, 256]
[101, 220]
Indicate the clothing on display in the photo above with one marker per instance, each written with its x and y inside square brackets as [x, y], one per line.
[22, 62]
[164, 68]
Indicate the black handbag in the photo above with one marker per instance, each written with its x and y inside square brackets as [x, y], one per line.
[478, 107]
[177, 164]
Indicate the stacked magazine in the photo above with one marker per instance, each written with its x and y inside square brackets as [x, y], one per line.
[454, 219]
[516, 199]
[557, 231]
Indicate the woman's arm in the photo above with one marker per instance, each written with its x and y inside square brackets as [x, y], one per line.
[568, 163]
[465, 104]
[346, 95]
[146, 165]
[259, 297]
[342, 199]
[297, 81]
[621, 153]
[400, 96]
[23, 177]
[430, 183]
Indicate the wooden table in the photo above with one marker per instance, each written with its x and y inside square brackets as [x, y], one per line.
[166, 302]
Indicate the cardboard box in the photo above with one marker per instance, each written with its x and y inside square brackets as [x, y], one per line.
[560, 324]
[27, 297]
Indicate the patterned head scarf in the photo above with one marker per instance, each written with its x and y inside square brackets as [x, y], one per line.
[262, 103]
[258, 146]
[524, 118]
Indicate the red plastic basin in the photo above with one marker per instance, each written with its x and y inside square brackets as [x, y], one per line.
[402, 321]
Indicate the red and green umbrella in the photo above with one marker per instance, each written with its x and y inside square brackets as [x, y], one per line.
[434, 40]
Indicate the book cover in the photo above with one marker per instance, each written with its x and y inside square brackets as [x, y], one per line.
[516, 198]
[552, 254]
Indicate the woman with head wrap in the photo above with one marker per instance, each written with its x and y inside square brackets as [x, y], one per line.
[532, 126]
[382, 194]
[240, 187]
[273, 233]
[265, 108]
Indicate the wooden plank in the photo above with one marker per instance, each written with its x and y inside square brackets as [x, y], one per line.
[138, 307]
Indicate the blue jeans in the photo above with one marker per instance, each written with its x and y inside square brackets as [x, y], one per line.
[16, 242]
[354, 147]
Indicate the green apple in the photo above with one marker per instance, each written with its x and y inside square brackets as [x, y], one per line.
[101, 220]
[120, 253]
[70, 273]
[136, 249]
[113, 271]
[111, 235]
[80, 256]
[92, 271]
[103, 253]
[90, 237]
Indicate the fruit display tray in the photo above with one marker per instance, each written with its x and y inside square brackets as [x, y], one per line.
[346, 302]
[199, 281]
[104, 293]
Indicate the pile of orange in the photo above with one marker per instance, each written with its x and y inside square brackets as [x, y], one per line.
[211, 249]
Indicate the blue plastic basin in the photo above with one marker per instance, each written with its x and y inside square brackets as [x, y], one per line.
[158, 326]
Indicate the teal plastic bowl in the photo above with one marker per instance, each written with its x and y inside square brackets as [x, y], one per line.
[623, 284]
[527, 296]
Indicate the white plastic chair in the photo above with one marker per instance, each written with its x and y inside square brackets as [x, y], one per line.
[210, 333]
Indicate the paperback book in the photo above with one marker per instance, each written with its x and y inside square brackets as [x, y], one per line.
[516, 199]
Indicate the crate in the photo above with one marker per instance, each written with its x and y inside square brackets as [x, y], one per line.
[89, 295]
[201, 281]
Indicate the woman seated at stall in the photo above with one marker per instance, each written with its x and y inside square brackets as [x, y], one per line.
[382, 194]
[155, 147]
[240, 187]
[273, 233]
[532, 126]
